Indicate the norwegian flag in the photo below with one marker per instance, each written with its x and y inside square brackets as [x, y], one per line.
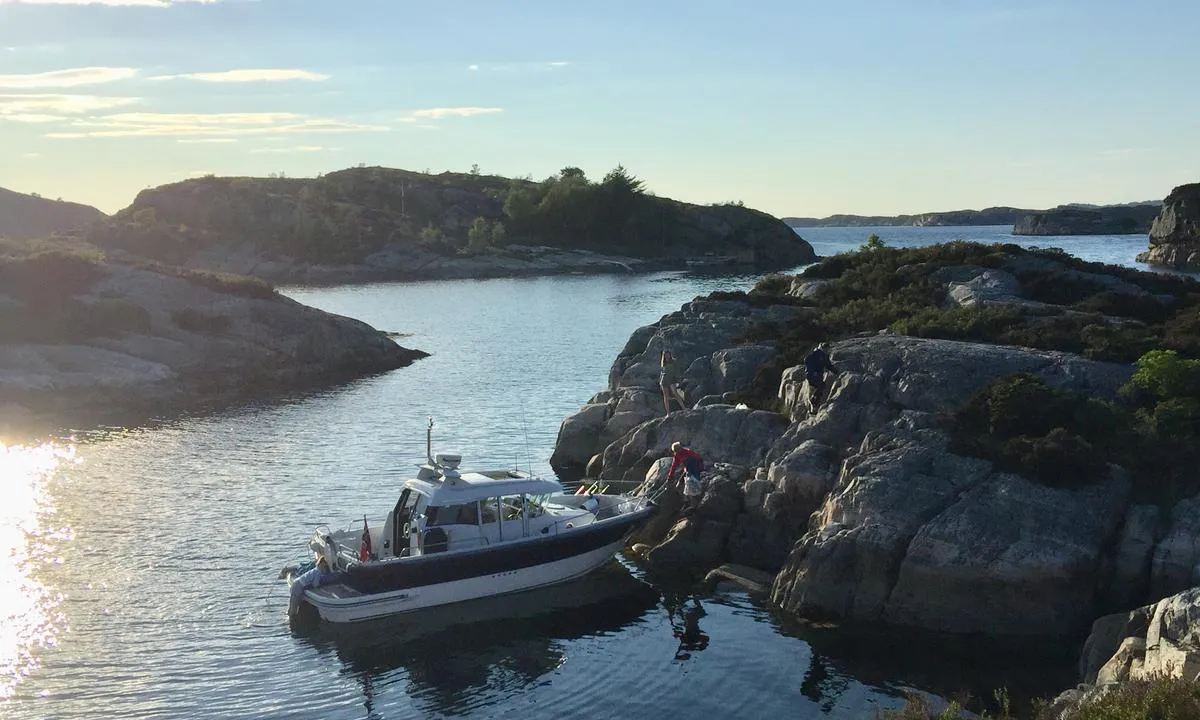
[364, 549]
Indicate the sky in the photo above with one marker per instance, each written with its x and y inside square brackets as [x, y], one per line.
[795, 107]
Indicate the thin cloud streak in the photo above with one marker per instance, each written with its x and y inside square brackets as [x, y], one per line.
[284, 151]
[206, 125]
[249, 76]
[72, 77]
[49, 104]
[444, 112]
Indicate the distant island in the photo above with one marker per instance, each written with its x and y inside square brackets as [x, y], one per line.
[25, 216]
[374, 223]
[1070, 219]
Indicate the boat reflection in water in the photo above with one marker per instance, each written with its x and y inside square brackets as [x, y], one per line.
[455, 657]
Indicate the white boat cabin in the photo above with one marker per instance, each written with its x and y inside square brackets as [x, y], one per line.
[444, 510]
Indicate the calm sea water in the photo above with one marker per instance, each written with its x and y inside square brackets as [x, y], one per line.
[139, 564]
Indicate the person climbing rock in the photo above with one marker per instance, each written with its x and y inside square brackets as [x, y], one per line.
[691, 465]
[668, 381]
[816, 364]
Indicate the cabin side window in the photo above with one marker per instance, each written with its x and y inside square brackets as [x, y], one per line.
[461, 514]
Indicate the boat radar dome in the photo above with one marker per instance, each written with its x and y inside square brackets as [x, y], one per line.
[448, 460]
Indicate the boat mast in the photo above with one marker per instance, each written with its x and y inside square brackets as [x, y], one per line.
[429, 442]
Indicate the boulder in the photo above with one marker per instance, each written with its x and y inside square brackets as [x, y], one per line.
[1156, 641]
[576, 443]
[719, 433]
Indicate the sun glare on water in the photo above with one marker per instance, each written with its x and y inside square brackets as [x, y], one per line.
[28, 539]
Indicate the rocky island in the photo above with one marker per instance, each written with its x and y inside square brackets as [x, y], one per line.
[1009, 448]
[82, 340]
[1074, 220]
[378, 224]
[1175, 234]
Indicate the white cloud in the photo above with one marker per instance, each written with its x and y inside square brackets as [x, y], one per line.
[206, 125]
[200, 173]
[248, 76]
[205, 141]
[31, 156]
[72, 77]
[47, 104]
[443, 112]
[473, 68]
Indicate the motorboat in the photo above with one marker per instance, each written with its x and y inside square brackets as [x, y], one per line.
[454, 535]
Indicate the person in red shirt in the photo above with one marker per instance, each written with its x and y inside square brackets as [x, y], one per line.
[691, 464]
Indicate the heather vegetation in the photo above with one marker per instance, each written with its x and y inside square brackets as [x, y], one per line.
[1158, 699]
[1023, 425]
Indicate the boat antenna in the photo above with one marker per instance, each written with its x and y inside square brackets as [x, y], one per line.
[429, 441]
[525, 429]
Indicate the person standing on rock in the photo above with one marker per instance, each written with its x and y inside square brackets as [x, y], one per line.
[691, 465]
[816, 364]
[668, 381]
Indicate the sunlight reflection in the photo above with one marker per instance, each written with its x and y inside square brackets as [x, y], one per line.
[28, 538]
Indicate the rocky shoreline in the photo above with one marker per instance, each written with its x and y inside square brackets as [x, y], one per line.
[407, 264]
[867, 510]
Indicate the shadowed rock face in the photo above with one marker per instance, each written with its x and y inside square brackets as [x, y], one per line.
[136, 340]
[1175, 234]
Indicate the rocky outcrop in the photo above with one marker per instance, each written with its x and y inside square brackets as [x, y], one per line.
[129, 341]
[911, 533]
[31, 216]
[1175, 234]
[1068, 220]
[869, 508]
[703, 336]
